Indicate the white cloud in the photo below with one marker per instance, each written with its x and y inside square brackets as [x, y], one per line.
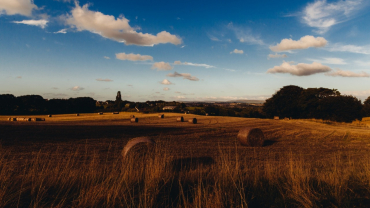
[213, 38]
[106, 57]
[300, 69]
[166, 89]
[63, 31]
[342, 73]
[116, 29]
[12, 7]
[337, 61]
[133, 57]
[303, 43]
[104, 80]
[322, 15]
[162, 66]
[245, 35]
[237, 51]
[77, 88]
[277, 55]
[349, 48]
[40, 23]
[183, 75]
[166, 82]
[192, 64]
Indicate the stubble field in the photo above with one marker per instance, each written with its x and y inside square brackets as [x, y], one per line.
[70, 161]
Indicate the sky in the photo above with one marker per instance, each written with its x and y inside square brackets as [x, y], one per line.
[183, 50]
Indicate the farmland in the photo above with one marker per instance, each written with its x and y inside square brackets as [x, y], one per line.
[75, 161]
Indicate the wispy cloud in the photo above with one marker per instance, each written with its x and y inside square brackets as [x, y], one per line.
[337, 61]
[183, 75]
[63, 31]
[166, 82]
[303, 43]
[323, 15]
[22, 7]
[106, 57]
[116, 29]
[77, 88]
[349, 48]
[245, 35]
[166, 89]
[277, 56]
[39, 23]
[104, 80]
[133, 57]
[19, 77]
[162, 66]
[300, 69]
[342, 73]
[193, 64]
[237, 51]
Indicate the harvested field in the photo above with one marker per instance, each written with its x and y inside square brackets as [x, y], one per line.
[304, 163]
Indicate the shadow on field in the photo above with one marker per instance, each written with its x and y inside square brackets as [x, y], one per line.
[24, 134]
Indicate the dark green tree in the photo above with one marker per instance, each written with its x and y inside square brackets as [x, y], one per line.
[366, 108]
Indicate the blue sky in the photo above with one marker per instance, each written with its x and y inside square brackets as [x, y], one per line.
[182, 50]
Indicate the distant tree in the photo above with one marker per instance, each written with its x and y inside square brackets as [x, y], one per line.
[30, 104]
[309, 101]
[284, 103]
[366, 108]
[342, 108]
[8, 104]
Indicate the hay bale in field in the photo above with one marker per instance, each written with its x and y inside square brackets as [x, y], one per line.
[132, 116]
[100, 113]
[193, 120]
[161, 116]
[49, 115]
[180, 119]
[23, 119]
[206, 114]
[134, 120]
[139, 147]
[287, 119]
[12, 119]
[37, 119]
[115, 113]
[252, 137]
[276, 118]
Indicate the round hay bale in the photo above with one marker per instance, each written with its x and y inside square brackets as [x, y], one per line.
[161, 116]
[134, 120]
[252, 137]
[276, 118]
[287, 119]
[100, 113]
[77, 114]
[193, 121]
[139, 147]
[115, 113]
[132, 116]
[180, 119]
[49, 115]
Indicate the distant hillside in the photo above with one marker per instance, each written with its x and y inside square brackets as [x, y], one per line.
[246, 101]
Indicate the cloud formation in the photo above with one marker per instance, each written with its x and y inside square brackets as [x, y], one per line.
[77, 88]
[237, 51]
[322, 15]
[104, 80]
[337, 61]
[162, 66]
[133, 57]
[166, 89]
[350, 48]
[277, 55]
[342, 73]
[63, 31]
[12, 7]
[116, 29]
[106, 57]
[300, 69]
[245, 35]
[183, 75]
[303, 43]
[40, 23]
[192, 64]
[166, 82]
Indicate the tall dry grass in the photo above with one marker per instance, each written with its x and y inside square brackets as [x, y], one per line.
[84, 178]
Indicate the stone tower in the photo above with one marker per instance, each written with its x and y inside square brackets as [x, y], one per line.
[118, 97]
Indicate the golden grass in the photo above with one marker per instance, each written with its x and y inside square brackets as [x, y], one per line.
[306, 164]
